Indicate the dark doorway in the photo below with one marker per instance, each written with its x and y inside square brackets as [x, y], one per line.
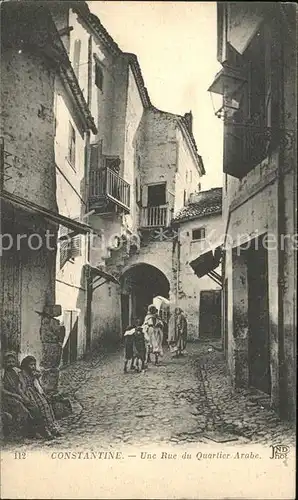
[70, 350]
[125, 311]
[156, 195]
[142, 282]
[210, 314]
[258, 319]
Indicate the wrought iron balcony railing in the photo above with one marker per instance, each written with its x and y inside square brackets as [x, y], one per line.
[105, 186]
[152, 217]
[247, 145]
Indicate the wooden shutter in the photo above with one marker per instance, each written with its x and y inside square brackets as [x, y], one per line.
[76, 246]
[64, 245]
[95, 156]
[71, 145]
[89, 70]
[137, 190]
[76, 56]
[144, 196]
[98, 76]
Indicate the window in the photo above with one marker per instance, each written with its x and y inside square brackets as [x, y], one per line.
[98, 75]
[113, 163]
[70, 245]
[76, 57]
[184, 197]
[72, 146]
[198, 234]
[138, 191]
[156, 195]
[95, 155]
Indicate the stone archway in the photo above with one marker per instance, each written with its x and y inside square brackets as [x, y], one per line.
[140, 283]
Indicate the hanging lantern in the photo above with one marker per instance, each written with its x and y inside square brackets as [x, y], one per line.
[228, 82]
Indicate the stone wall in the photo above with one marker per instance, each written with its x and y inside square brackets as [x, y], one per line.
[132, 148]
[159, 155]
[256, 215]
[70, 180]
[189, 285]
[187, 176]
[27, 125]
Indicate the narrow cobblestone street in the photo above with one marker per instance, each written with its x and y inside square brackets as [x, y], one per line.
[183, 400]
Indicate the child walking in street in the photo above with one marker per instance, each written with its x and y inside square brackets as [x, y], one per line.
[140, 347]
[129, 347]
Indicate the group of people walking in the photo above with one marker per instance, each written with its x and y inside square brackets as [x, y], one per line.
[143, 340]
[25, 406]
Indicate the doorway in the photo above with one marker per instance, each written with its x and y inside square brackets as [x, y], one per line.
[156, 194]
[124, 311]
[258, 319]
[141, 282]
[210, 314]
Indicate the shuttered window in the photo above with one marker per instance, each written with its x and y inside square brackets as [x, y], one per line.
[76, 57]
[76, 246]
[64, 245]
[95, 156]
[70, 245]
[71, 146]
[98, 75]
[198, 234]
[138, 191]
[144, 196]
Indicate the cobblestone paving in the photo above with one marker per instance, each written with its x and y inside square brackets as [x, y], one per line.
[183, 400]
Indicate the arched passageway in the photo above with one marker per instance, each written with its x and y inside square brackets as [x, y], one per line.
[139, 285]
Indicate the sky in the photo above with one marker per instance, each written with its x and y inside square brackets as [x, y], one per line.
[175, 43]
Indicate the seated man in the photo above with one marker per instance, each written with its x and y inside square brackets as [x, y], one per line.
[36, 398]
[24, 401]
[16, 417]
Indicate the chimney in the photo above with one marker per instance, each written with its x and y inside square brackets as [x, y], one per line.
[188, 121]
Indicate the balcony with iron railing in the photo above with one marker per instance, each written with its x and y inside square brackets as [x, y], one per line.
[155, 217]
[108, 189]
[247, 145]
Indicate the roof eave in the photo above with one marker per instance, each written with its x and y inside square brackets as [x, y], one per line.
[194, 217]
[96, 27]
[67, 74]
[137, 72]
[192, 147]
